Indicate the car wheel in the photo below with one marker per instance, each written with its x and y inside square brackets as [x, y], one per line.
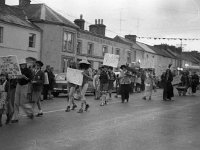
[55, 94]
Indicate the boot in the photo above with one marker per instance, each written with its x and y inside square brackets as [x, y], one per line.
[67, 109]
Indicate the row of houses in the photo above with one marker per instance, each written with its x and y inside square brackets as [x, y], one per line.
[37, 32]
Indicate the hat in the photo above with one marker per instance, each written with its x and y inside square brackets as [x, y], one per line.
[123, 66]
[39, 63]
[22, 61]
[84, 61]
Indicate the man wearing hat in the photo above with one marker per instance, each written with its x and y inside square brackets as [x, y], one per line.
[37, 84]
[21, 93]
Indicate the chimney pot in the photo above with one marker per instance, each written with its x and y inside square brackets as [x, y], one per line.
[81, 16]
[24, 3]
[101, 21]
[98, 21]
[95, 21]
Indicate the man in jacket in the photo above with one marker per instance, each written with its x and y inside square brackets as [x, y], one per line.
[37, 85]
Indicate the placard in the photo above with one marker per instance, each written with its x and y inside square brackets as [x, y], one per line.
[10, 65]
[111, 60]
[74, 76]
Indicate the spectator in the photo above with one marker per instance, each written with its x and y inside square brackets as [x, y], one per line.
[46, 83]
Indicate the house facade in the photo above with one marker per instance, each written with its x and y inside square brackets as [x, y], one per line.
[93, 45]
[18, 36]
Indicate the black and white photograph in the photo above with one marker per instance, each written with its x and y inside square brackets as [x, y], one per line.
[99, 74]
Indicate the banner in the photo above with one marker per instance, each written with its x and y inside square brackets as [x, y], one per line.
[10, 65]
[74, 76]
[111, 60]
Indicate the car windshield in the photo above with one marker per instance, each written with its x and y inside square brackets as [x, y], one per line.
[61, 77]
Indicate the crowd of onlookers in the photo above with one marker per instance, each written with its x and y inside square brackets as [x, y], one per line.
[26, 90]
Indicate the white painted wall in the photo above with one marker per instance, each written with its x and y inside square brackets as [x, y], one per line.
[16, 42]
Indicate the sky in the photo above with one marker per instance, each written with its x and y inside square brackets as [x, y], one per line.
[144, 18]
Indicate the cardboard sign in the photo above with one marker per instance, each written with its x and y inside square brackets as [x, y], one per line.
[176, 80]
[74, 76]
[111, 60]
[10, 65]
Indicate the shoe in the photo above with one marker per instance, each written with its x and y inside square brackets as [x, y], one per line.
[164, 99]
[122, 101]
[106, 102]
[7, 120]
[149, 98]
[74, 106]
[31, 116]
[80, 110]
[102, 104]
[39, 114]
[14, 121]
[86, 107]
[127, 100]
[1, 124]
[67, 109]
[144, 98]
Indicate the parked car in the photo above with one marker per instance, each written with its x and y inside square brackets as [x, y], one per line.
[61, 85]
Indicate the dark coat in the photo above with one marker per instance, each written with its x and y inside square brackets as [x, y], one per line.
[38, 81]
[167, 85]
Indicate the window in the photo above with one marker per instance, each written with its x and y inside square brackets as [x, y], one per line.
[1, 34]
[128, 57]
[79, 47]
[117, 51]
[68, 41]
[104, 49]
[32, 39]
[90, 48]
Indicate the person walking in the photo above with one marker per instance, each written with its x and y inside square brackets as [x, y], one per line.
[37, 85]
[111, 81]
[21, 93]
[125, 83]
[96, 84]
[148, 86]
[104, 80]
[11, 86]
[71, 88]
[167, 84]
[84, 65]
[46, 83]
[195, 82]
[3, 95]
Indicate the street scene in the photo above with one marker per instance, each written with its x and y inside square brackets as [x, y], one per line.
[138, 124]
[100, 75]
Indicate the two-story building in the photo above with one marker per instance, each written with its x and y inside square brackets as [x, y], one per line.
[18, 36]
[93, 44]
[59, 35]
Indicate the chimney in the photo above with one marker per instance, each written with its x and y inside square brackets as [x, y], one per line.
[24, 3]
[2, 2]
[131, 37]
[80, 22]
[98, 28]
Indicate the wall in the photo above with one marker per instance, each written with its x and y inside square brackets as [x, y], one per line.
[16, 42]
[52, 46]
[99, 42]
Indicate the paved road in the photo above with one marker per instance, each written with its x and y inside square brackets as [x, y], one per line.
[137, 125]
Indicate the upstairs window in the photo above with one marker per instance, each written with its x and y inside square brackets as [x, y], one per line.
[32, 39]
[79, 47]
[1, 34]
[104, 49]
[68, 42]
[117, 52]
[128, 57]
[90, 48]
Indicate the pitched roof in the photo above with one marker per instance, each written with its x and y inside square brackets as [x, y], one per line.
[162, 52]
[146, 47]
[191, 57]
[127, 41]
[16, 16]
[43, 13]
